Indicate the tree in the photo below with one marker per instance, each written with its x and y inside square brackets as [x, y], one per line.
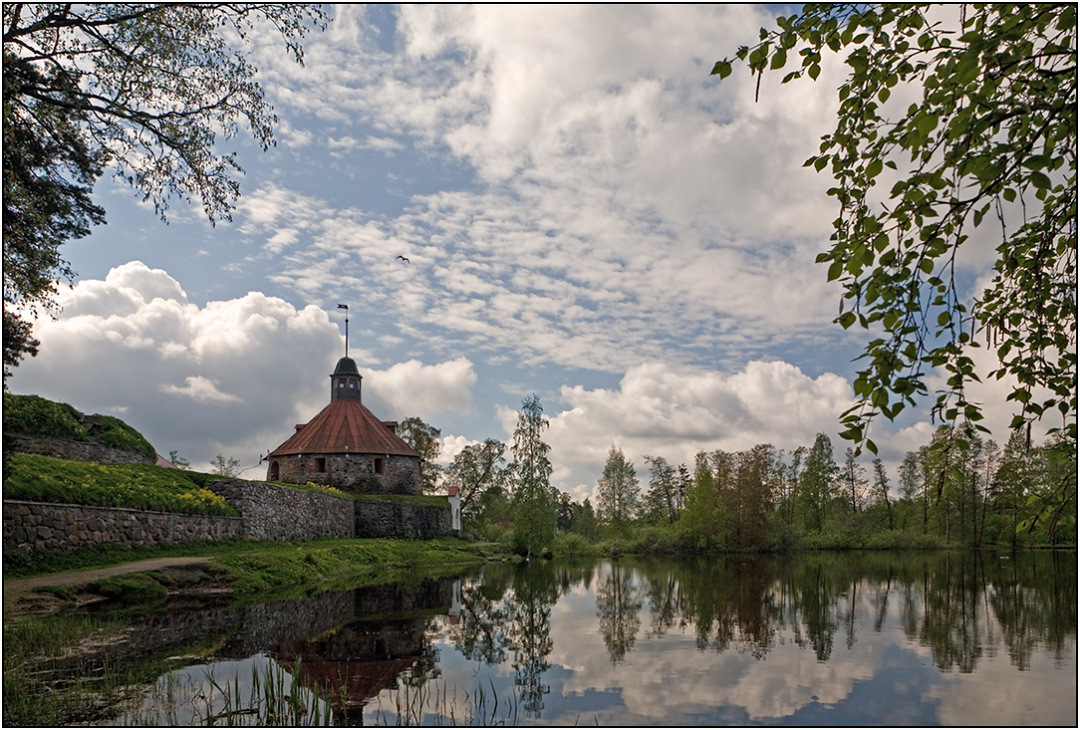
[662, 503]
[987, 151]
[424, 440]
[227, 468]
[817, 483]
[47, 184]
[148, 89]
[617, 491]
[178, 461]
[853, 478]
[532, 501]
[481, 473]
[584, 521]
[704, 521]
[881, 487]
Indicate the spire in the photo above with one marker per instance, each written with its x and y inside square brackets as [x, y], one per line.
[345, 380]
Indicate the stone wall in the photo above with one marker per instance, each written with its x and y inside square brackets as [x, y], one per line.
[401, 520]
[73, 450]
[278, 513]
[42, 526]
[268, 512]
[360, 473]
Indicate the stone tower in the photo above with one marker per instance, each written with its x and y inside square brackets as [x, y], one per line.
[346, 447]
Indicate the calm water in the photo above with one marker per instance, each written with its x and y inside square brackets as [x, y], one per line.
[868, 639]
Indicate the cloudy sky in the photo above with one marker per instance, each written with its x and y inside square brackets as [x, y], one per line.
[587, 214]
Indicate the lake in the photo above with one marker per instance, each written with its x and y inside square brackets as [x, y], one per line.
[817, 639]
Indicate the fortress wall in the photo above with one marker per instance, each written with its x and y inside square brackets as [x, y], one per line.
[47, 526]
[278, 513]
[73, 450]
[268, 512]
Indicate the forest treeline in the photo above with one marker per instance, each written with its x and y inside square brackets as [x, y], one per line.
[958, 490]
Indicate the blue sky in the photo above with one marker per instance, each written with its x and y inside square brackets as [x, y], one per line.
[588, 216]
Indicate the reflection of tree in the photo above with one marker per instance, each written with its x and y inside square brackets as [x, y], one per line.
[618, 601]
[481, 632]
[1034, 600]
[814, 600]
[665, 601]
[731, 604]
[953, 626]
[529, 630]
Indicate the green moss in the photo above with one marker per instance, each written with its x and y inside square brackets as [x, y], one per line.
[38, 478]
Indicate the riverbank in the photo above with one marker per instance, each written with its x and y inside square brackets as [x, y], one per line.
[243, 571]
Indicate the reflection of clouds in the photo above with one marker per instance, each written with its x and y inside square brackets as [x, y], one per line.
[884, 675]
[668, 678]
[994, 695]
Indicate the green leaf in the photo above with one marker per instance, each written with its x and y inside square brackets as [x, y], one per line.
[721, 69]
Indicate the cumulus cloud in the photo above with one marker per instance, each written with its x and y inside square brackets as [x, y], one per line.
[674, 412]
[228, 377]
[414, 389]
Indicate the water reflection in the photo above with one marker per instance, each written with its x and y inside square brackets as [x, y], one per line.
[821, 639]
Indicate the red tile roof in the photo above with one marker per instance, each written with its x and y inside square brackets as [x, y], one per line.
[344, 426]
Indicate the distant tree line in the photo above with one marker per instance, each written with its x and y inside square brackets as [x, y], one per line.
[958, 490]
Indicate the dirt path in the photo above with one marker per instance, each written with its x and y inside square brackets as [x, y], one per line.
[86, 576]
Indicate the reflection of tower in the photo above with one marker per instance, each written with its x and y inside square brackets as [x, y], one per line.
[455, 604]
[348, 665]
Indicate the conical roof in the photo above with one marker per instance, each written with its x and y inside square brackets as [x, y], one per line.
[345, 426]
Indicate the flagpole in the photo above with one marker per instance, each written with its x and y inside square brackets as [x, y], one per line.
[346, 308]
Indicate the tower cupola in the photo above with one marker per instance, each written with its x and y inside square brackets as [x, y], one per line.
[345, 381]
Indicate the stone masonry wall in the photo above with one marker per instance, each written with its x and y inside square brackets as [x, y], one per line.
[402, 520]
[73, 450]
[42, 526]
[280, 513]
[352, 472]
[268, 512]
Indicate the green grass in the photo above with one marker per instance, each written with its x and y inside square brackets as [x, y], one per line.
[258, 568]
[291, 568]
[406, 498]
[35, 416]
[36, 478]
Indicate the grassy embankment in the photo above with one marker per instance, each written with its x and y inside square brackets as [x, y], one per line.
[251, 568]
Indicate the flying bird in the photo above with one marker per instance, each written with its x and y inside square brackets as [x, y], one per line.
[403, 259]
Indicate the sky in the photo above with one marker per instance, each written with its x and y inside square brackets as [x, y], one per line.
[587, 215]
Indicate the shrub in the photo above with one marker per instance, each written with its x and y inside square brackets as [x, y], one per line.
[117, 433]
[573, 545]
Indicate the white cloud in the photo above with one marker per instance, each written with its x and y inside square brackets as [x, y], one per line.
[674, 412]
[412, 388]
[629, 206]
[201, 390]
[230, 377]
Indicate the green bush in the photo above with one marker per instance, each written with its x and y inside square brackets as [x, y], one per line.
[36, 416]
[573, 545]
[117, 433]
[138, 486]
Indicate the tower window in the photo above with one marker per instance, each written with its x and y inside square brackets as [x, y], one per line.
[379, 466]
[352, 383]
[320, 465]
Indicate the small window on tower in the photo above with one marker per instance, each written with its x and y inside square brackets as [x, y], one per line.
[352, 383]
[378, 466]
[320, 465]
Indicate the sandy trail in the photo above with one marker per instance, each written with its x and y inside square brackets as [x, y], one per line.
[86, 576]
